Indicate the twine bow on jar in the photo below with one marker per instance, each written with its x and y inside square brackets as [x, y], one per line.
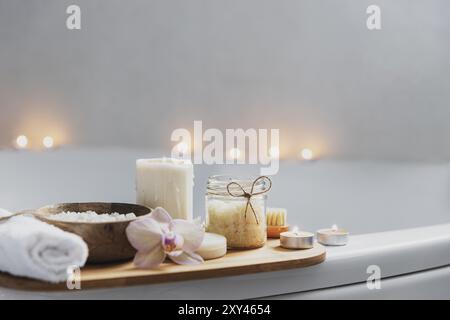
[249, 195]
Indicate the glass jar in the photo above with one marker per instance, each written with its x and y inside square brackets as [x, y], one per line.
[233, 212]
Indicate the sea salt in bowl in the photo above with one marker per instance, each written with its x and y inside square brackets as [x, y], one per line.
[106, 240]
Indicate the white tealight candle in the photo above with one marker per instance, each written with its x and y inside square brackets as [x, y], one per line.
[296, 239]
[166, 183]
[333, 236]
[213, 246]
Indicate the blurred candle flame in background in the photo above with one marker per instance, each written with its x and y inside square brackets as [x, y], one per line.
[40, 125]
[274, 152]
[48, 142]
[234, 153]
[307, 154]
[182, 147]
[43, 125]
[22, 142]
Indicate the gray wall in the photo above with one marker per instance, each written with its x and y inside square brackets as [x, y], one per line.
[139, 69]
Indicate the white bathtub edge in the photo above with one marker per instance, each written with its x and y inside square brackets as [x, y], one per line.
[395, 252]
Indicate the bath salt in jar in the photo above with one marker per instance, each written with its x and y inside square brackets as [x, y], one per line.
[236, 209]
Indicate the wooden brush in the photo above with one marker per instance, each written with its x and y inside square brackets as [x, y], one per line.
[276, 222]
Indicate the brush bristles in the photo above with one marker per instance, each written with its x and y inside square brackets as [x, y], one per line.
[276, 217]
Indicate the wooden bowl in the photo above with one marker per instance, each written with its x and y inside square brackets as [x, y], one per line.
[107, 241]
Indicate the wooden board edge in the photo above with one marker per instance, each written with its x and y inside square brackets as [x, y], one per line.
[26, 284]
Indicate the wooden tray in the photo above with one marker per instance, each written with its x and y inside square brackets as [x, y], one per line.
[270, 258]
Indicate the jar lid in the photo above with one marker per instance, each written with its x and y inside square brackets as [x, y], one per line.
[217, 184]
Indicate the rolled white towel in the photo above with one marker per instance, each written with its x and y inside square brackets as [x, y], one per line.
[35, 249]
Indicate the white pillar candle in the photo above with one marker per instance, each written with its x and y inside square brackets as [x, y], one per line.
[213, 246]
[332, 236]
[166, 183]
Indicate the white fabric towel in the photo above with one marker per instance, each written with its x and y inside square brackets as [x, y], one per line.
[35, 249]
[4, 213]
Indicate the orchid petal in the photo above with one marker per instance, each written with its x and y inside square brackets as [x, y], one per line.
[144, 234]
[186, 258]
[174, 253]
[150, 259]
[192, 234]
[161, 216]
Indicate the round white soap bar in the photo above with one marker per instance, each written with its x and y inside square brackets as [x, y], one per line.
[213, 246]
